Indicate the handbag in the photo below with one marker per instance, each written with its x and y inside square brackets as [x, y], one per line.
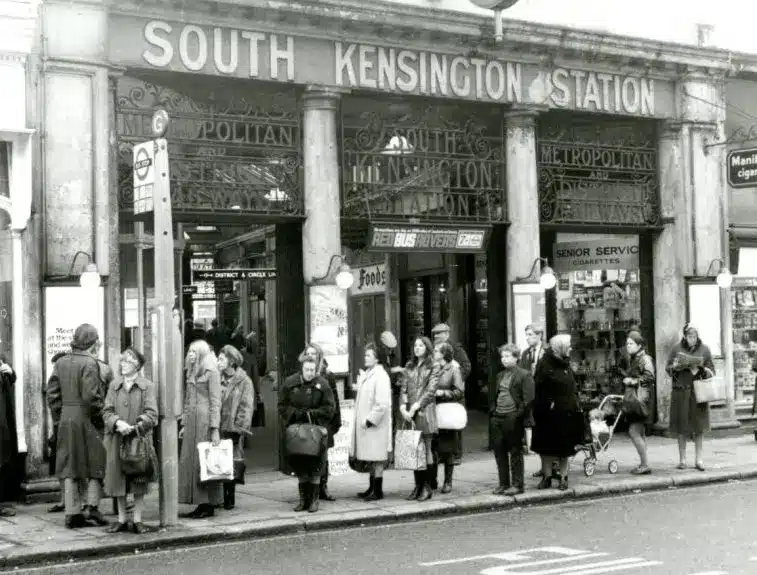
[409, 449]
[216, 461]
[451, 415]
[632, 403]
[710, 390]
[135, 455]
[306, 439]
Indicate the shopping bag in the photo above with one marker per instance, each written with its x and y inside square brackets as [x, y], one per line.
[710, 390]
[216, 461]
[136, 455]
[451, 415]
[409, 450]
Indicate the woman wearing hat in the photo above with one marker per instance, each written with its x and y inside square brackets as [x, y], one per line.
[237, 407]
[130, 409]
[689, 361]
[637, 369]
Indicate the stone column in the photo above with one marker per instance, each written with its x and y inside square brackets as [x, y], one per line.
[321, 232]
[522, 247]
[670, 259]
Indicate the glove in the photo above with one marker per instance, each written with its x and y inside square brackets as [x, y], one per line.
[122, 427]
[369, 423]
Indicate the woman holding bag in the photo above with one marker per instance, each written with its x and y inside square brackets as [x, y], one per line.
[201, 421]
[130, 414]
[637, 369]
[450, 391]
[237, 406]
[418, 406]
[306, 398]
[689, 361]
[372, 426]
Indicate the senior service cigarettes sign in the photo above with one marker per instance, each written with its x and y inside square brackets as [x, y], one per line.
[607, 254]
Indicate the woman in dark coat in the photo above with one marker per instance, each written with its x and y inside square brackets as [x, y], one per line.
[314, 352]
[130, 408]
[8, 438]
[689, 361]
[237, 408]
[448, 444]
[306, 397]
[559, 423]
[637, 369]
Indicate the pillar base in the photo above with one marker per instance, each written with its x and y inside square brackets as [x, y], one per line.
[44, 490]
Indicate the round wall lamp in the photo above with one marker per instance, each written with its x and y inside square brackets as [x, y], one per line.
[547, 278]
[344, 279]
[339, 272]
[724, 279]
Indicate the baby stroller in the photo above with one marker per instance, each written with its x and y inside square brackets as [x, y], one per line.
[602, 434]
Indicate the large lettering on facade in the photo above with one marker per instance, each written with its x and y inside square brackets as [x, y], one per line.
[286, 58]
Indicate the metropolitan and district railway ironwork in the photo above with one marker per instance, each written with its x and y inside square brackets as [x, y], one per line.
[413, 160]
[238, 156]
[598, 174]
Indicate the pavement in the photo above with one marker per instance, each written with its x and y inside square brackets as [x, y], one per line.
[705, 530]
[264, 504]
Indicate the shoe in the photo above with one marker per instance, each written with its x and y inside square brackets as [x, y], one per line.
[448, 471]
[563, 484]
[304, 489]
[118, 528]
[545, 483]
[7, 511]
[202, 511]
[433, 479]
[140, 528]
[192, 514]
[324, 493]
[641, 470]
[315, 493]
[76, 521]
[92, 513]
[57, 508]
[700, 466]
[229, 496]
[418, 485]
[378, 490]
[367, 492]
[499, 490]
[425, 493]
[681, 465]
[512, 491]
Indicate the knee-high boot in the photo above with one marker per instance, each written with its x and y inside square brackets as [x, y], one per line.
[426, 491]
[448, 472]
[418, 485]
[304, 489]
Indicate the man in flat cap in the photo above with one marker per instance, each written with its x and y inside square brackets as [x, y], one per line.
[75, 395]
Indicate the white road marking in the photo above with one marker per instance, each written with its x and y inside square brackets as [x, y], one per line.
[524, 555]
[585, 569]
[711, 573]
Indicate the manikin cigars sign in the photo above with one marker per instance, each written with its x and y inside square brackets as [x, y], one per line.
[241, 53]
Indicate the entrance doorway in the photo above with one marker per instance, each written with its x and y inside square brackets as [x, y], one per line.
[368, 320]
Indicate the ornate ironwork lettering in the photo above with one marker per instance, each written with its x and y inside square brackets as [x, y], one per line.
[598, 173]
[416, 161]
[235, 157]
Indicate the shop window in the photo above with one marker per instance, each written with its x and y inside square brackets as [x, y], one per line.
[744, 324]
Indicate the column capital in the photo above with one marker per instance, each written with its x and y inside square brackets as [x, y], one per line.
[671, 129]
[318, 97]
[523, 116]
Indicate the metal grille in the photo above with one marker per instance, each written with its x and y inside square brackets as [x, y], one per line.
[594, 171]
[229, 155]
[422, 161]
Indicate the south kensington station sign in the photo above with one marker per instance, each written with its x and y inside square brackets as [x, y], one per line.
[236, 52]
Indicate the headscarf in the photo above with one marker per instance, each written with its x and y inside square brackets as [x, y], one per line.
[320, 363]
[688, 328]
[560, 345]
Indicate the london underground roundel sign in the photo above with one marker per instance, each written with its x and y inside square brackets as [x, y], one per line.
[494, 4]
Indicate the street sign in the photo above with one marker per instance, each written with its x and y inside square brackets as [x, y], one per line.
[144, 176]
[239, 274]
[742, 168]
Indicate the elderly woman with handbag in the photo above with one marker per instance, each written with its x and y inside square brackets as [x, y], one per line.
[306, 406]
[130, 413]
[690, 361]
[200, 422]
[418, 406]
[451, 417]
[237, 406]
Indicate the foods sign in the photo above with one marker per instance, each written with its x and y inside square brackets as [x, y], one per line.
[607, 254]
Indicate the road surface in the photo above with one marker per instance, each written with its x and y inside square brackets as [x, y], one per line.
[702, 531]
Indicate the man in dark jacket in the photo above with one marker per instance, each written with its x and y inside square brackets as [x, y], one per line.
[515, 394]
[529, 359]
[75, 395]
[8, 438]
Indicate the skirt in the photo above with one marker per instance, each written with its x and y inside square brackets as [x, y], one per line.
[687, 417]
[448, 445]
[558, 433]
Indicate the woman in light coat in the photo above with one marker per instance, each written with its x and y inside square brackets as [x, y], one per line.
[372, 427]
[130, 408]
[237, 407]
[418, 406]
[200, 421]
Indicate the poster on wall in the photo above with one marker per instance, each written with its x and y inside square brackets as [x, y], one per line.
[611, 253]
[704, 313]
[67, 307]
[529, 307]
[328, 325]
[339, 455]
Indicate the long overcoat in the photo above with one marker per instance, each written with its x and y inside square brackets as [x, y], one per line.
[419, 386]
[237, 407]
[137, 406]
[202, 412]
[373, 403]
[75, 395]
[687, 417]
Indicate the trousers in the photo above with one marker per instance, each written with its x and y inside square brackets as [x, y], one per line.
[75, 491]
[507, 444]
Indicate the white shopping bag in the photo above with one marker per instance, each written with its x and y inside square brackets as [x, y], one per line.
[216, 461]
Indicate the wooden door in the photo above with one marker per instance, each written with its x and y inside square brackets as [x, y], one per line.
[367, 320]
